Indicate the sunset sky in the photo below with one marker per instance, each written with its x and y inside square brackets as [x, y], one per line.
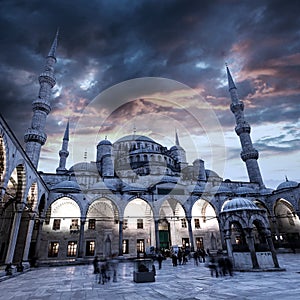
[154, 67]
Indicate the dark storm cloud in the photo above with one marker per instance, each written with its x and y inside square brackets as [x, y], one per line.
[187, 41]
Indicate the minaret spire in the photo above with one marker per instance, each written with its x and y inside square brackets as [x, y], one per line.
[64, 153]
[249, 154]
[35, 137]
[52, 51]
[176, 138]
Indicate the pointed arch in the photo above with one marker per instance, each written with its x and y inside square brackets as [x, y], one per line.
[3, 157]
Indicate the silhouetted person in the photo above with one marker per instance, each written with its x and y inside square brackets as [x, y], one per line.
[96, 265]
[159, 260]
[180, 256]
[195, 258]
[174, 260]
[222, 266]
[213, 267]
[228, 265]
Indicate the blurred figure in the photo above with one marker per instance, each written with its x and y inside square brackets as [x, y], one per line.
[212, 265]
[96, 265]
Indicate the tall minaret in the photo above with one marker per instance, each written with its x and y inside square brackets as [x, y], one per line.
[249, 154]
[35, 137]
[64, 153]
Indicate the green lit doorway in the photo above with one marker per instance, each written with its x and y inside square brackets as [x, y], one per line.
[164, 234]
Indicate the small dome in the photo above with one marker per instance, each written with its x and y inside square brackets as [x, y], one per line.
[211, 174]
[287, 185]
[104, 142]
[66, 186]
[238, 203]
[176, 148]
[243, 190]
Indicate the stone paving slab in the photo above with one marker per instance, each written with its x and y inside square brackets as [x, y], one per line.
[187, 282]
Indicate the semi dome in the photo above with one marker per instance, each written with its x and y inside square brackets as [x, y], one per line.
[287, 185]
[84, 167]
[238, 203]
[68, 186]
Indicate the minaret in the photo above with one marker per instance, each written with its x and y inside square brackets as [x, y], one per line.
[249, 155]
[63, 153]
[35, 137]
[179, 153]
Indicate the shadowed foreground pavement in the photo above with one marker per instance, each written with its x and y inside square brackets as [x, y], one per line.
[181, 282]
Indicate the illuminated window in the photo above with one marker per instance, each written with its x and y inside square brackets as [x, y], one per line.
[140, 224]
[197, 223]
[90, 248]
[238, 240]
[125, 246]
[72, 249]
[185, 242]
[183, 223]
[140, 246]
[92, 224]
[56, 224]
[53, 249]
[125, 223]
[199, 243]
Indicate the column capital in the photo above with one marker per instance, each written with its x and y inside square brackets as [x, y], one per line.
[189, 218]
[19, 207]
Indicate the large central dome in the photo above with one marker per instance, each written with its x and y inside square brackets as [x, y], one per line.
[133, 137]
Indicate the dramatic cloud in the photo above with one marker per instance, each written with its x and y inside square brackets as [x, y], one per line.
[104, 43]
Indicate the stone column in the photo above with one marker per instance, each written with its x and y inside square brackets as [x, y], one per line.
[19, 206]
[120, 237]
[28, 236]
[38, 238]
[191, 236]
[272, 249]
[157, 241]
[81, 238]
[228, 244]
[250, 242]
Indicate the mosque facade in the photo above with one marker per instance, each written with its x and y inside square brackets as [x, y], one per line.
[137, 195]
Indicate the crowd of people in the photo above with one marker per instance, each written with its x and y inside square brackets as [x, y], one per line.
[104, 270]
[218, 264]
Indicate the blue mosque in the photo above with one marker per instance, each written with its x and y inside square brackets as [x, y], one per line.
[137, 195]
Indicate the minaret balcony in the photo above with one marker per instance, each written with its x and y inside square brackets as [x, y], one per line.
[33, 135]
[252, 154]
[47, 77]
[64, 153]
[239, 106]
[41, 104]
[242, 128]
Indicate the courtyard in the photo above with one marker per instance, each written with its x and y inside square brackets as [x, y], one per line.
[182, 282]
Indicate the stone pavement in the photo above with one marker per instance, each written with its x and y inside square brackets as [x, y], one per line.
[182, 282]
